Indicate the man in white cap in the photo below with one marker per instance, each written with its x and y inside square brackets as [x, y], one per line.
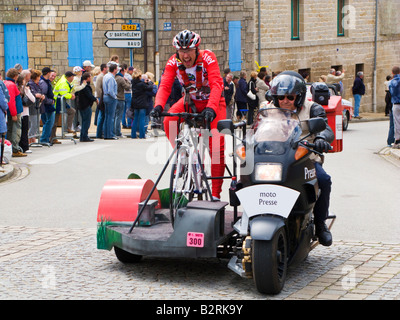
[87, 65]
[77, 79]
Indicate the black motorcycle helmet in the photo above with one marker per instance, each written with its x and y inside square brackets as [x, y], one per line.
[289, 82]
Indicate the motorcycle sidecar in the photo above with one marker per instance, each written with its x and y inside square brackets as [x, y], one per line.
[199, 228]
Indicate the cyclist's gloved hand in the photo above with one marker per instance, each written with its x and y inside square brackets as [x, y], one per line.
[208, 114]
[321, 145]
[156, 112]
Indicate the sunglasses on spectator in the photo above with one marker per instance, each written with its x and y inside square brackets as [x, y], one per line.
[289, 97]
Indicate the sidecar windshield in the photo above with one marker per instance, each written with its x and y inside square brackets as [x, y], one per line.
[275, 124]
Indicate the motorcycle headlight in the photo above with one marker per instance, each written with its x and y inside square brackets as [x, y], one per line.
[268, 172]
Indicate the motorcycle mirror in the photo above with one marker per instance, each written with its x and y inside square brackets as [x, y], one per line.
[268, 96]
[316, 125]
[224, 125]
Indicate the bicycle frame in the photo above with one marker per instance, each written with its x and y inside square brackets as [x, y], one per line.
[190, 152]
[191, 143]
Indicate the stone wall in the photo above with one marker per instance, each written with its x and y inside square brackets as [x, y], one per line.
[210, 19]
[47, 26]
[318, 49]
[48, 35]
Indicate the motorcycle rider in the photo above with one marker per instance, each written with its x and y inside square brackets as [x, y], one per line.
[288, 91]
[198, 69]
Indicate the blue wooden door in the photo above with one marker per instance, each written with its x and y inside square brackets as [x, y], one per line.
[15, 45]
[80, 43]
[235, 46]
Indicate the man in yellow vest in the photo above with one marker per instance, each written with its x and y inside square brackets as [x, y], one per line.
[63, 88]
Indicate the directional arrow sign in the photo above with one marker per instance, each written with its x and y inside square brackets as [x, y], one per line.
[123, 34]
[123, 43]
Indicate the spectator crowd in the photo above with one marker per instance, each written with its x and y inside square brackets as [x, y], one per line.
[123, 97]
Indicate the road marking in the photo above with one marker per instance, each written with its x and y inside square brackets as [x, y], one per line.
[64, 155]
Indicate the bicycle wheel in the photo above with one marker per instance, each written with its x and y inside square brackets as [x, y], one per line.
[180, 184]
[201, 186]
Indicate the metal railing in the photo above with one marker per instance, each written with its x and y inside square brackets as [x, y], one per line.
[32, 119]
[63, 127]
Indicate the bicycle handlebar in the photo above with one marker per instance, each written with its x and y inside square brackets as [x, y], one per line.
[239, 124]
[182, 114]
[188, 115]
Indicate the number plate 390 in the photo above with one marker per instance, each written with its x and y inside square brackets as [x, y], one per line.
[195, 239]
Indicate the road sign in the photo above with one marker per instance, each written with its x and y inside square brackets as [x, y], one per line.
[123, 43]
[167, 26]
[123, 34]
[131, 27]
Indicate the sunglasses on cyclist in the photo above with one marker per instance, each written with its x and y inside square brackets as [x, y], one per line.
[186, 50]
[289, 97]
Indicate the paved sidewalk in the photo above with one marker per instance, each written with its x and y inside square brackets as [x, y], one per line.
[53, 263]
[370, 116]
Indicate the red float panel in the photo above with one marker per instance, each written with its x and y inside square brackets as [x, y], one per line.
[120, 199]
[334, 112]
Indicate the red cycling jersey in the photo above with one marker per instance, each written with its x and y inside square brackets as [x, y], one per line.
[210, 87]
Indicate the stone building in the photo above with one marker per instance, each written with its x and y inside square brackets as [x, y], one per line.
[306, 35]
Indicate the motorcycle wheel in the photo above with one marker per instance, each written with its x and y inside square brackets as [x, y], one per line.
[126, 257]
[269, 263]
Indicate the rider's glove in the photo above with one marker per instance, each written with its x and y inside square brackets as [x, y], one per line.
[156, 112]
[321, 145]
[208, 114]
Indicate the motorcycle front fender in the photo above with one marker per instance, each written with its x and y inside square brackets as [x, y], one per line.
[264, 227]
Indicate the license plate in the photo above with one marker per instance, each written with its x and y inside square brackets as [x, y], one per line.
[195, 239]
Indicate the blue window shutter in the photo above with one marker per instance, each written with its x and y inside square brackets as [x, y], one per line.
[80, 43]
[15, 45]
[86, 41]
[74, 58]
[235, 46]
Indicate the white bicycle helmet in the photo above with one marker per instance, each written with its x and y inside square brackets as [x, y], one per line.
[186, 39]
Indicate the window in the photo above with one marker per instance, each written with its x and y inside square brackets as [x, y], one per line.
[359, 68]
[340, 17]
[337, 68]
[306, 74]
[295, 15]
[235, 47]
[80, 43]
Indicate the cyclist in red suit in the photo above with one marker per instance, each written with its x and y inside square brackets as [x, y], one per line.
[199, 69]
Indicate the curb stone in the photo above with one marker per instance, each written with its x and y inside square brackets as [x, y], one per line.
[6, 172]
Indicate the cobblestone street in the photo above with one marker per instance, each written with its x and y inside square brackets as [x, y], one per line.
[39, 263]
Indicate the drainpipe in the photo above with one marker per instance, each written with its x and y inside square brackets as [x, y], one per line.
[156, 53]
[375, 53]
[259, 32]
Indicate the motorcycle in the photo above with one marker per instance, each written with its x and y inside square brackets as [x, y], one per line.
[277, 191]
[270, 228]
